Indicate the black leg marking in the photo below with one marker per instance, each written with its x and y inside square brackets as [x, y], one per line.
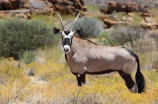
[80, 79]
[128, 79]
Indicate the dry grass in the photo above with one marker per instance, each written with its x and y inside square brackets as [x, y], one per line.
[136, 19]
[59, 86]
[53, 83]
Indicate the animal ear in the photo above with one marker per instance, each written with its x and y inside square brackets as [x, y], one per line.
[79, 32]
[56, 30]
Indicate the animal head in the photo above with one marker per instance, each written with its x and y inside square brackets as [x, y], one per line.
[67, 35]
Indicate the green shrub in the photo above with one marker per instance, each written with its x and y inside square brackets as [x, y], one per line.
[18, 35]
[28, 56]
[91, 27]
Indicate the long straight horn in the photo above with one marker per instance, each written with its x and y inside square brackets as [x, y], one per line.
[74, 22]
[61, 22]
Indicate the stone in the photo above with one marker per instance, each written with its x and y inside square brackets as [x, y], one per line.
[109, 22]
[15, 3]
[37, 4]
[6, 5]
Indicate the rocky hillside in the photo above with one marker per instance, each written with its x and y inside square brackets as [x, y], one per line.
[126, 1]
[125, 13]
[26, 8]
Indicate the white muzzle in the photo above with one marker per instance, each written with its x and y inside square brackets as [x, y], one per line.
[66, 49]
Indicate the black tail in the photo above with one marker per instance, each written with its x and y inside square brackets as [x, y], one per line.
[139, 76]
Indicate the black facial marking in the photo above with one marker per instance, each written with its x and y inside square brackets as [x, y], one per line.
[66, 32]
[67, 42]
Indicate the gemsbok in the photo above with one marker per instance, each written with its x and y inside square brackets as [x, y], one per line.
[86, 57]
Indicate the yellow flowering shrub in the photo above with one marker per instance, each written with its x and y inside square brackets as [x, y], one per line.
[54, 83]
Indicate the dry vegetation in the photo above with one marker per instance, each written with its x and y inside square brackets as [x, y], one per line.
[48, 80]
[53, 83]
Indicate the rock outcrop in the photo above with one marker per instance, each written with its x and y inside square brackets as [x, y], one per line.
[9, 4]
[125, 7]
[41, 7]
[109, 21]
[65, 6]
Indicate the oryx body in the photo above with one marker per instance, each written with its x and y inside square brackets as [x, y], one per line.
[85, 57]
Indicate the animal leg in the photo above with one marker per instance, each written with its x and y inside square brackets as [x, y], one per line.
[131, 85]
[80, 79]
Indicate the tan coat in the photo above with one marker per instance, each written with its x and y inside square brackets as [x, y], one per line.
[86, 56]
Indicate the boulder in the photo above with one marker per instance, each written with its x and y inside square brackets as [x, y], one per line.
[146, 14]
[15, 3]
[21, 15]
[104, 11]
[37, 4]
[109, 22]
[111, 7]
[132, 7]
[148, 20]
[6, 5]
[149, 27]
[47, 10]
[125, 7]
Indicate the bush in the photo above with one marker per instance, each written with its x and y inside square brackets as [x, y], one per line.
[154, 35]
[144, 44]
[91, 27]
[133, 37]
[123, 34]
[18, 35]
[28, 56]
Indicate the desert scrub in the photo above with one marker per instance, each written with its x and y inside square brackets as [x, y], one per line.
[28, 56]
[61, 87]
[148, 60]
[54, 73]
[133, 37]
[10, 72]
[91, 27]
[18, 35]
[52, 53]
[136, 19]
